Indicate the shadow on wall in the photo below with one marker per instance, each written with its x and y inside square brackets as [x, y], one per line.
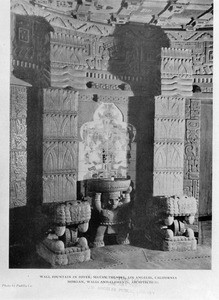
[30, 47]
[136, 57]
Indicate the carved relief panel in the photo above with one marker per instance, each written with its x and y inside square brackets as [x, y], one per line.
[192, 148]
[106, 144]
[176, 72]
[30, 48]
[201, 45]
[169, 145]
[60, 145]
[18, 146]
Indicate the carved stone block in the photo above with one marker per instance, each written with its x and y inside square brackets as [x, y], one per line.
[176, 72]
[192, 149]
[60, 147]
[18, 146]
[169, 221]
[169, 134]
[60, 242]
[59, 187]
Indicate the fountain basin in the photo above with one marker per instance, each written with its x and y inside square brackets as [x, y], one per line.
[106, 185]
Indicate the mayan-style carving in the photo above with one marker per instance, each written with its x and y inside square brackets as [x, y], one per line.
[57, 125]
[113, 204]
[201, 45]
[59, 187]
[59, 156]
[174, 132]
[167, 14]
[169, 134]
[192, 148]
[18, 144]
[61, 225]
[30, 49]
[176, 72]
[106, 144]
[59, 145]
[168, 222]
[113, 99]
[59, 100]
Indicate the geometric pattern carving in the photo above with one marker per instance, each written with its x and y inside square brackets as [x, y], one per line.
[169, 135]
[18, 146]
[176, 72]
[192, 148]
[30, 49]
[60, 126]
[169, 124]
[60, 145]
[59, 156]
[201, 45]
[106, 144]
[59, 188]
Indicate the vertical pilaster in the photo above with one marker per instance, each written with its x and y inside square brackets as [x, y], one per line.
[60, 146]
[18, 143]
[192, 148]
[169, 145]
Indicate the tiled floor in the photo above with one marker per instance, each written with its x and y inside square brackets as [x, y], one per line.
[136, 256]
[132, 257]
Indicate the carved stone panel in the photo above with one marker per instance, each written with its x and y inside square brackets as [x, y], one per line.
[176, 72]
[105, 148]
[201, 45]
[18, 144]
[31, 48]
[60, 147]
[192, 148]
[169, 135]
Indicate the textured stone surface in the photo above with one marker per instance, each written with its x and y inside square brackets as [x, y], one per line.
[192, 15]
[62, 259]
[60, 147]
[168, 145]
[18, 140]
[124, 65]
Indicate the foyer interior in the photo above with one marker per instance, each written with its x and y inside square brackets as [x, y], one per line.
[125, 56]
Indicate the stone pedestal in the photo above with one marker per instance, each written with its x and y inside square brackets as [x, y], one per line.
[112, 202]
[167, 215]
[169, 221]
[60, 243]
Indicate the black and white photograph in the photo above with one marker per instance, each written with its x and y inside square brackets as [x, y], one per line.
[110, 138]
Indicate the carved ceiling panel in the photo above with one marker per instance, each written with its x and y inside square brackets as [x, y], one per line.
[187, 14]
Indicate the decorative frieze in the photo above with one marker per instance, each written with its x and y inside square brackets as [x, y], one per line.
[77, 14]
[176, 72]
[201, 45]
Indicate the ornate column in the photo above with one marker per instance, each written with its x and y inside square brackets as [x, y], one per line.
[18, 141]
[169, 212]
[60, 147]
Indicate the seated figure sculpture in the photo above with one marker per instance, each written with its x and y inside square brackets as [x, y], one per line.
[114, 211]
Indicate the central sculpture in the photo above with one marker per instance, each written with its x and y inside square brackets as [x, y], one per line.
[104, 153]
[112, 202]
